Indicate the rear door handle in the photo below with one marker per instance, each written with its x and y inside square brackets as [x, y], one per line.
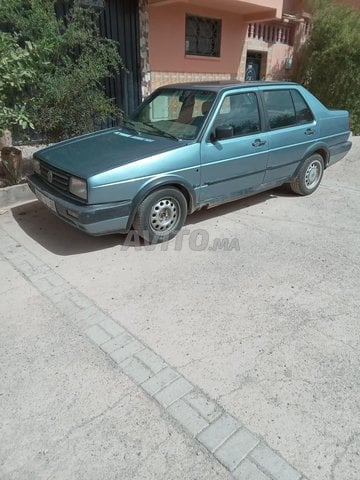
[309, 131]
[258, 142]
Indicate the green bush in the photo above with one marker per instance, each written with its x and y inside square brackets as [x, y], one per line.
[68, 96]
[17, 72]
[330, 59]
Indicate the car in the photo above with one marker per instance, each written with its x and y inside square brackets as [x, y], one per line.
[190, 146]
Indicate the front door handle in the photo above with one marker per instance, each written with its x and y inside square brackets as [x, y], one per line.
[258, 142]
[309, 131]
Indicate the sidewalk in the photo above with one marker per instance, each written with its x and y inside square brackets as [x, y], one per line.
[67, 413]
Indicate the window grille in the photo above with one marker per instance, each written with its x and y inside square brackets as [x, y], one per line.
[202, 36]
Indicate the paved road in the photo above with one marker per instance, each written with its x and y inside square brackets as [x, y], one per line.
[268, 330]
[67, 413]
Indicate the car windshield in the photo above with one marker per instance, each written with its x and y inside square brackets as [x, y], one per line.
[176, 113]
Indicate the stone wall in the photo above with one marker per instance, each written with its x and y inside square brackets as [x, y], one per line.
[144, 47]
[163, 78]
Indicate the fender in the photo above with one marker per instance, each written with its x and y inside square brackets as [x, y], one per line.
[159, 182]
[310, 151]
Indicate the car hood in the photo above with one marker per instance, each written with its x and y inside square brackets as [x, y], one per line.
[98, 152]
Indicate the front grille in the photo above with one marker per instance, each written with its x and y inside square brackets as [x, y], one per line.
[57, 178]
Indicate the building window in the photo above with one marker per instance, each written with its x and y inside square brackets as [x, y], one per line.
[202, 36]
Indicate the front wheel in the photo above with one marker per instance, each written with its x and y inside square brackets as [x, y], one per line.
[309, 177]
[161, 215]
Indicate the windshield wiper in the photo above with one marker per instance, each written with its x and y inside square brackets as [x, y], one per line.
[161, 132]
[130, 124]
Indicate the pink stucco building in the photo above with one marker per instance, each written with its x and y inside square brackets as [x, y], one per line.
[167, 41]
[195, 40]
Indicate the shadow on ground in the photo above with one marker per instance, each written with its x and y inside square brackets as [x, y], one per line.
[61, 239]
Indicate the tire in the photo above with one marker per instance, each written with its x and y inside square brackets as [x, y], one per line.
[161, 215]
[309, 177]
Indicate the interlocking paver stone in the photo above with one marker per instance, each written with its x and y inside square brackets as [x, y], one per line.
[153, 361]
[126, 351]
[80, 299]
[208, 409]
[43, 285]
[117, 342]
[97, 335]
[55, 279]
[173, 392]
[25, 267]
[59, 293]
[87, 313]
[235, 449]
[136, 370]
[189, 418]
[160, 380]
[111, 327]
[249, 471]
[218, 432]
[270, 462]
[67, 307]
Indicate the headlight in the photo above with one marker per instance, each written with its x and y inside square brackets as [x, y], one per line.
[78, 187]
[36, 165]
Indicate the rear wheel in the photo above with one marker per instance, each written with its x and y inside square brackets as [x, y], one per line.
[161, 215]
[309, 176]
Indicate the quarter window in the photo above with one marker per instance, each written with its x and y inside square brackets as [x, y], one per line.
[303, 112]
[280, 108]
[202, 36]
[240, 111]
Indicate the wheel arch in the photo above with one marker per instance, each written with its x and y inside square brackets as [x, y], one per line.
[324, 152]
[319, 148]
[163, 182]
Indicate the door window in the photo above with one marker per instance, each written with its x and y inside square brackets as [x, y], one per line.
[240, 111]
[280, 108]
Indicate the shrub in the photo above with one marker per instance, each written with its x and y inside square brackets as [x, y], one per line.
[68, 97]
[17, 72]
[330, 59]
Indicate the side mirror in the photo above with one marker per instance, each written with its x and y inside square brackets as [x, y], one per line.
[224, 132]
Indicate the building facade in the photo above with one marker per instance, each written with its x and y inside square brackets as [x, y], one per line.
[169, 41]
[199, 40]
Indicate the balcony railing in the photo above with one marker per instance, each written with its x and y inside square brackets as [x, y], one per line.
[271, 33]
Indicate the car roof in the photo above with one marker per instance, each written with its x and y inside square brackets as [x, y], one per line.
[218, 85]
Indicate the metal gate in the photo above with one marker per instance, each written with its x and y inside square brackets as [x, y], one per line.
[119, 20]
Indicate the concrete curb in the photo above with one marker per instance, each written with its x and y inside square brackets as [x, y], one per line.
[15, 194]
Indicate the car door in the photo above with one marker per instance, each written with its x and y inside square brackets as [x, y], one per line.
[292, 128]
[234, 166]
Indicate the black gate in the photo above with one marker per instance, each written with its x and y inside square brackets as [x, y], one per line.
[119, 20]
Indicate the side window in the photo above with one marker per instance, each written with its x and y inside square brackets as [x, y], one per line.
[225, 106]
[241, 111]
[280, 108]
[303, 112]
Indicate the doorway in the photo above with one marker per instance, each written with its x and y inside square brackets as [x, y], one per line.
[253, 66]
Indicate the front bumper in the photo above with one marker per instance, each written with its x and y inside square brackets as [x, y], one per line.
[98, 219]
